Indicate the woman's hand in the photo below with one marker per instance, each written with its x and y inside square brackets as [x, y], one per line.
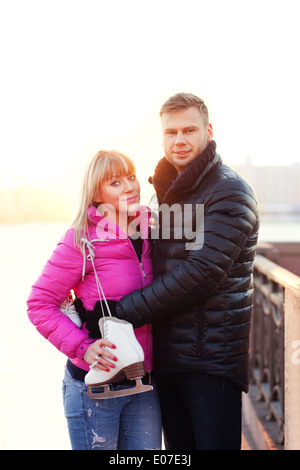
[97, 352]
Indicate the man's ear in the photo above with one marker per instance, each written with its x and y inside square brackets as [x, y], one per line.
[209, 133]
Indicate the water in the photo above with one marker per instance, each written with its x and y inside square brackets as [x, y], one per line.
[31, 410]
[279, 231]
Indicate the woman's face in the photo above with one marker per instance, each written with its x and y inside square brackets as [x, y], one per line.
[120, 194]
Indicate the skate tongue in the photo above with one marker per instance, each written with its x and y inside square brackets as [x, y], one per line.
[103, 320]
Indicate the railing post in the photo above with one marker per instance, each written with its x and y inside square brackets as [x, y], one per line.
[292, 370]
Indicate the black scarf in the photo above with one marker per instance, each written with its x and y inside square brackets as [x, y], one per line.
[169, 185]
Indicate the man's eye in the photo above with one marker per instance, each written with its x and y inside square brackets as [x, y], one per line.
[170, 132]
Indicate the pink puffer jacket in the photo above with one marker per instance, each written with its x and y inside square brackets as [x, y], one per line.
[119, 272]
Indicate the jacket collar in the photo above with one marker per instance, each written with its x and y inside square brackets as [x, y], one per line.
[170, 186]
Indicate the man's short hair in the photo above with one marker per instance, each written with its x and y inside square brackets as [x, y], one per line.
[182, 101]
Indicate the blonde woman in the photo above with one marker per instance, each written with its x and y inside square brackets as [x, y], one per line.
[108, 207]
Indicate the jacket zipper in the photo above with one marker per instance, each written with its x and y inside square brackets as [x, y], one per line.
[149, 338]
[142, 268]
[144, 277]
[149, 341]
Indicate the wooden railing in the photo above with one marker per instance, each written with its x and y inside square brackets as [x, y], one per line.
[275, 346]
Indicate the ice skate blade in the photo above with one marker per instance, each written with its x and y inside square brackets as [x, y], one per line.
[108, 393]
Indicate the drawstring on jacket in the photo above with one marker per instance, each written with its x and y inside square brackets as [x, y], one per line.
[90, 257]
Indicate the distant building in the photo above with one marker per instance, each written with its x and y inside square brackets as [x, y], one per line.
[277, 187]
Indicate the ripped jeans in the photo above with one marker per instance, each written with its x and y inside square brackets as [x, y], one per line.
[124, 423]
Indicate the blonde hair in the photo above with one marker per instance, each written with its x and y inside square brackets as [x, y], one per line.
[103, 166]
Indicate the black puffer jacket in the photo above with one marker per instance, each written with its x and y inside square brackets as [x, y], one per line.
[201, 299]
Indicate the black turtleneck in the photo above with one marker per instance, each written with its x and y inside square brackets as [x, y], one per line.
[169, 184]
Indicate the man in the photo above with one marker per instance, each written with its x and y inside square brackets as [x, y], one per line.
[201, 299]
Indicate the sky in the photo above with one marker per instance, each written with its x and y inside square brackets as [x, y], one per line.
[80, 76]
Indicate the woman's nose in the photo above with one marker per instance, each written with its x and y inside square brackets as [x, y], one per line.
[128, 186]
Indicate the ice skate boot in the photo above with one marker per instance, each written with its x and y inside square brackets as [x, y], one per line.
[68, 309]
[130, 361]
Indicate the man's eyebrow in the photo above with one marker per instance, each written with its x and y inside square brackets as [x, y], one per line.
[183, 129]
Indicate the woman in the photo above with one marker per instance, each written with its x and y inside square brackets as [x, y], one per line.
[109, 214]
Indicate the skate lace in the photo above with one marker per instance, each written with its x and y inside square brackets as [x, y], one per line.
[68, 307]
[105, 330]
[90, 257]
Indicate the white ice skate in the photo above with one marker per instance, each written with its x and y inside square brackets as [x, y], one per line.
[130, 361]
[68, 309]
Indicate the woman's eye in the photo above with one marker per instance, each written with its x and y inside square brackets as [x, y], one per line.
[132, 177]
[115, 183]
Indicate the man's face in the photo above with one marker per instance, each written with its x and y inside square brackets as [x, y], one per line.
[185, 136]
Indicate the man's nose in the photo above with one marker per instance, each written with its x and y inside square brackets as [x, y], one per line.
[180, 139]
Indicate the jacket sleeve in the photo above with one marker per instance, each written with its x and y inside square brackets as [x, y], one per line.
[61, 273]
[230, 218]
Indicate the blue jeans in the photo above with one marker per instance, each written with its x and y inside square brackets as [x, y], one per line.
[200, 412]
[124, 423]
